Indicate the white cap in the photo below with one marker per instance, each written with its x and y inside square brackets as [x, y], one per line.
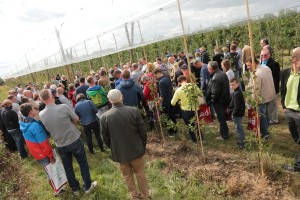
[115, 96]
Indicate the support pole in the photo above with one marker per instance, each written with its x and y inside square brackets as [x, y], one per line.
[253, 90]
[117, 49]
[142, 39]
[192, 81]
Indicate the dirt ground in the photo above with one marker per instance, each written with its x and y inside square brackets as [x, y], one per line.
[238, 175]
[13, 184]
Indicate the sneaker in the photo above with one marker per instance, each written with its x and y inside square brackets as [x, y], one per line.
[221, 138]
[93, 185]
[290, 168]
[76, 193]
[171, 135]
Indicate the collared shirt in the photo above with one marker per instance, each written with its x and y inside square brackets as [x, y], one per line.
[264, 63]
[292, 91]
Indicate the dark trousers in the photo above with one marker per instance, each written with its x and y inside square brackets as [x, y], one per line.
[187, 115]
[66, 153]
[220, 110]
[95, 127]
[169, 111]
[19, 140]
[293, 121]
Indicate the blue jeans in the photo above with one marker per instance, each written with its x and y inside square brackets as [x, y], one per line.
[239, 129]
[88, 132]
[19, 140]
[66, 153]
[264, 122]
[45, 162]
[220, 109]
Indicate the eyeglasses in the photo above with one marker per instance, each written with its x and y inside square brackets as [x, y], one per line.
[264, 55]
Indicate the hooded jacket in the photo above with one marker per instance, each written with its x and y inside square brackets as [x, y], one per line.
[132, 93]
[97, 89]
[36, 139]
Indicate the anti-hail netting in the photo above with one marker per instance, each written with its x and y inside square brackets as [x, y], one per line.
[157, 25]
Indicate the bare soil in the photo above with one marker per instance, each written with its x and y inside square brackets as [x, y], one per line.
[238, 176]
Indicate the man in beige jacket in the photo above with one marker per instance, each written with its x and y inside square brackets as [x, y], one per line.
[265, 91]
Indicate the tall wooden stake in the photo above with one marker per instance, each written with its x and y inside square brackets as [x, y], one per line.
[253, 89]
[189, 67]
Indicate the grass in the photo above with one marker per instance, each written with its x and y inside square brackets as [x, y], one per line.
[4, 92]
[175, 172]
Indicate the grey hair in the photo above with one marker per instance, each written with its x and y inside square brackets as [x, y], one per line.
[214, 65]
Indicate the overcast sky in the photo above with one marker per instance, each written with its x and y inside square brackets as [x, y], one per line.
[28, 26]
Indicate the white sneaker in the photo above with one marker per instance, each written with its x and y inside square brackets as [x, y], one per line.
[93, 185]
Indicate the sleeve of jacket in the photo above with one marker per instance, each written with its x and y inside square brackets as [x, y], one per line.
[204, 78]
[162, 89]
[283, 86]
[276, 76]
[237, 102]
[140, 93]
[175, 98]
[147, 92]
[216, 90]
[94, 108]
[104, 130]
[141, 127]
[41, 137]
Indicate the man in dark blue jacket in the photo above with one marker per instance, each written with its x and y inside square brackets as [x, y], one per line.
[132, 93]
[165, 97]
[86, 111]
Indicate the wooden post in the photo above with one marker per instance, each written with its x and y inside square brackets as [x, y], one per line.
[253, 89]
[189, 67]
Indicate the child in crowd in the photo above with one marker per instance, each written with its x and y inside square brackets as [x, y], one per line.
[237, 108]
[36, 138]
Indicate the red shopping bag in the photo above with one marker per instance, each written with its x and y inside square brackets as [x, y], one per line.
[205, 114]
[252, 120]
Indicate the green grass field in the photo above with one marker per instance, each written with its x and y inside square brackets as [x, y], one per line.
[176, 171]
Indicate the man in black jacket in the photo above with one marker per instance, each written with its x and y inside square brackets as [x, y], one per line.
[165, 96]
[218, 95]
[8, 139]
[267, 60]
[290, 99]
[124, 132]
[11, 122]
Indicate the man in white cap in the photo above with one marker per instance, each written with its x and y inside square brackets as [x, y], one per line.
[124, 131]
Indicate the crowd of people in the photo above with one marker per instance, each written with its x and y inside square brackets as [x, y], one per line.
[107, 103]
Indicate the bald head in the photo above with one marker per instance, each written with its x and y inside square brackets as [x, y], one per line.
[27, 93]
[60, 91]
[7, 103]
[296, 59]
[296, 53]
